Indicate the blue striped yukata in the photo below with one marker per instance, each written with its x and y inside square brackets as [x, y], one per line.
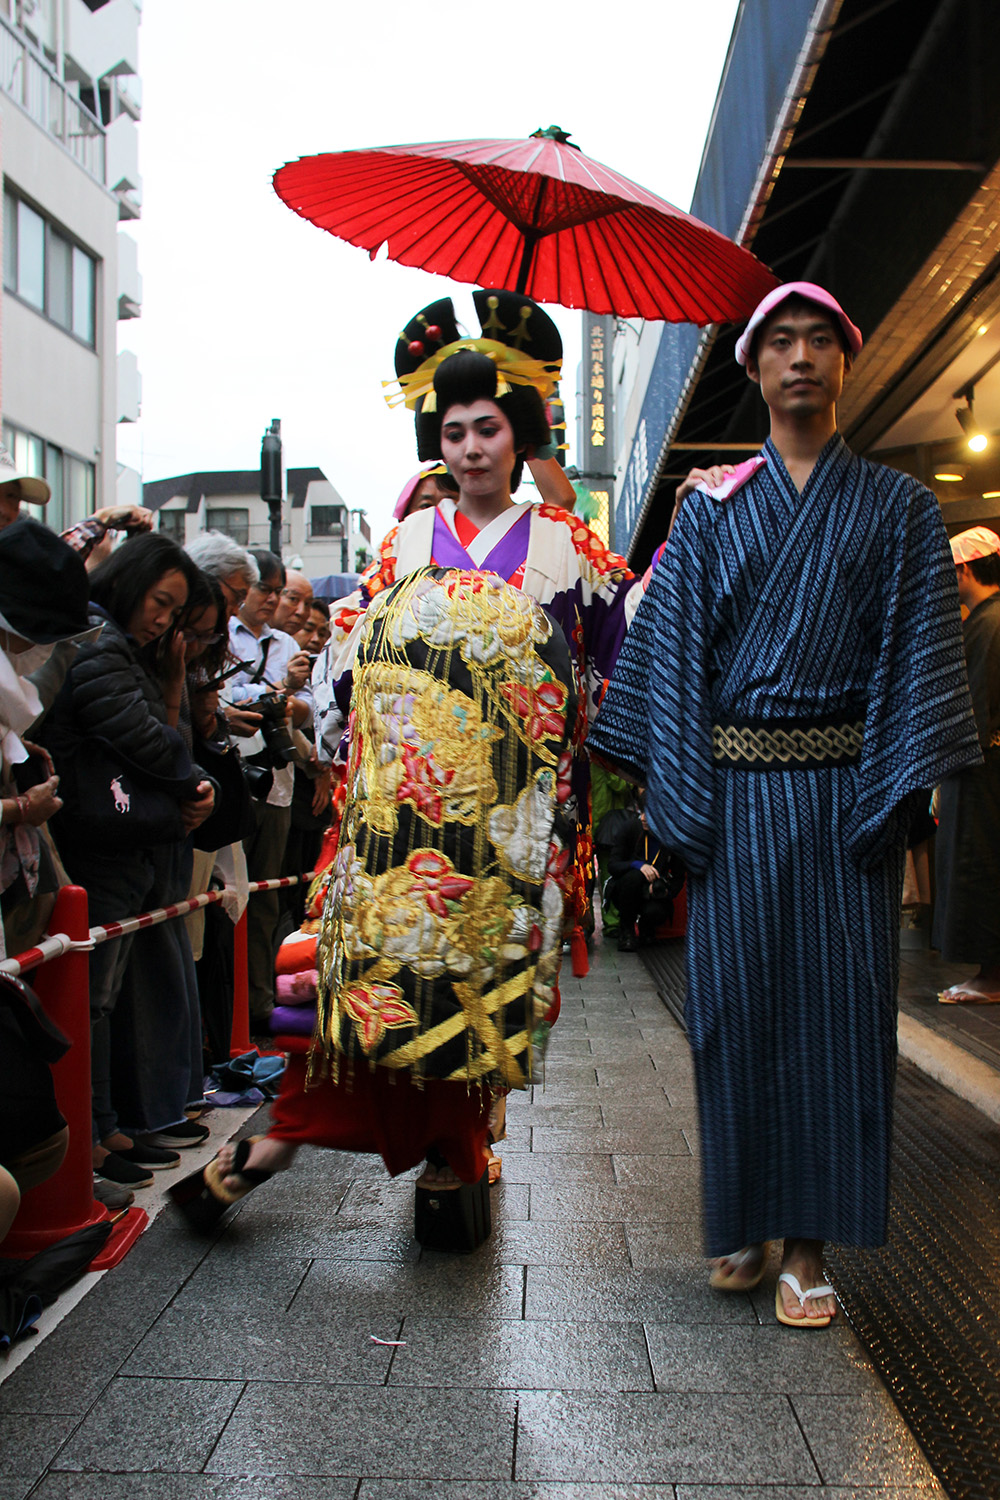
[830, 608]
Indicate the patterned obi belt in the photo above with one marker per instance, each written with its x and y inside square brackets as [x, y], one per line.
[789, 744]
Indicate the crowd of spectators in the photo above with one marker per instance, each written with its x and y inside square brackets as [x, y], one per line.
[132, 671]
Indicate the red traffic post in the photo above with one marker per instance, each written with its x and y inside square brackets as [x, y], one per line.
[239, 1041]
[65, 1203]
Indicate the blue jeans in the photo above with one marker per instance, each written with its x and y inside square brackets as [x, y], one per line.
[156, 1038]
[117, 885]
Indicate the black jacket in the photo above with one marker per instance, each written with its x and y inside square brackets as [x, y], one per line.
[633, 844]
[110, 692]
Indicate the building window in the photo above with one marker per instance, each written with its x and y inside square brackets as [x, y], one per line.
[232, 521]
[46, 270]
[71, 479]
[172, 525]
[326, 520]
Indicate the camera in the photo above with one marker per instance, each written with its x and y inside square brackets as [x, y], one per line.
[278, 745]
[659, 890]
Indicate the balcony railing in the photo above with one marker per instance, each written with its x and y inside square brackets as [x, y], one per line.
[26, 78]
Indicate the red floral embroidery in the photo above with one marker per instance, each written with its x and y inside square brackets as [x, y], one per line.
[587, 541]
[543, 707]
[564, 777]
[376, 1008]
[345, 619]
[463, 582]
[422, 783]
[436, 881]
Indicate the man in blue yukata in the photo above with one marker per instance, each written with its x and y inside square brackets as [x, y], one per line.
[793, 679]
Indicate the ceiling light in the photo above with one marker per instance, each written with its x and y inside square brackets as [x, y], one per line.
[974, 435]
[983, 328]
[951, 473]
[991, 494]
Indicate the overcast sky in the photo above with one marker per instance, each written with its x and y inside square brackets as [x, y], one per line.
[251, 313]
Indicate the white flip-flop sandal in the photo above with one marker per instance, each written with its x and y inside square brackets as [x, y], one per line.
[803, 1296]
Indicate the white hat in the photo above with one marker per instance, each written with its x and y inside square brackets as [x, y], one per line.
[978, 541]
[33, 489]
[809, 292]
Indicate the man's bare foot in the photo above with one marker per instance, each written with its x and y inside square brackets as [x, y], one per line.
[984, 989]
[741, 1271]
[266, 1155]
[804, 1260]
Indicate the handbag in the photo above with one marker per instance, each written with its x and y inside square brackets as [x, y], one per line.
[113, 804]
[232, 818]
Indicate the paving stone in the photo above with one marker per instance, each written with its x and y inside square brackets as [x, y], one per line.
[672, 1173]
[658, 1247]
[619, 1205]
[407, 1434]
[150, 1425]
[266, 1234]
[266, 1286]
[486, 1354]
[539, 1167]
[190, 1487]
[659, 1439]
[553, 1244]
[563, 1116]
[663, 1139]
[435, 1489]
[755, 1358]
[860, 1439]
[68, 1371]
[562, 1046]
[439, 1286]
[630, 1296]
[196, 1344]
[28, 1445]
[930, 1491]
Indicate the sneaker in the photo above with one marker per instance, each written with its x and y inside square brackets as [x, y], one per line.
[142, 1154]
[175, 1137]
[125, 1173]
[111, 1195]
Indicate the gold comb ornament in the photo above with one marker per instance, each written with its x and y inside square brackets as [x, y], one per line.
[513, 368]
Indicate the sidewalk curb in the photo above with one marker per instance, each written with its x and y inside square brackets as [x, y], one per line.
[951, 1066]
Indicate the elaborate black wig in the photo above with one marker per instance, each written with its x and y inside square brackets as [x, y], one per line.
[469, 375]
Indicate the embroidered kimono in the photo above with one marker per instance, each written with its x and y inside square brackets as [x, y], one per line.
[469, 679]
[793, 674]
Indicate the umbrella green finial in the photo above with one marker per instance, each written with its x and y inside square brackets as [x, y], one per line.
[554, 133]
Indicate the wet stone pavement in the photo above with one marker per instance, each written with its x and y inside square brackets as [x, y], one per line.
[578, 1355]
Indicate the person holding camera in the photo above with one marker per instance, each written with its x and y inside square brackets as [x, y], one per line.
[644, 881]
[273, 670]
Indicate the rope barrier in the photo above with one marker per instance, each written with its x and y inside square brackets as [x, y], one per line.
[58, 943]
[65, 1202]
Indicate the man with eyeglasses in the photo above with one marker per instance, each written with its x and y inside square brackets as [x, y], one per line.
[293, 603]
[272, 663]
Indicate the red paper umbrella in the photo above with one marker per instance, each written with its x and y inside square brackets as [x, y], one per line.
[536, 215]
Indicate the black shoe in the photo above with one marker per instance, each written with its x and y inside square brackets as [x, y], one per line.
[627, 943]
[143, 1154]
[175, 1137]
[114, 1169]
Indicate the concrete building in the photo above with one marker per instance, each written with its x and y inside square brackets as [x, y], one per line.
[856, 145]
[320, 534]
[69, 103]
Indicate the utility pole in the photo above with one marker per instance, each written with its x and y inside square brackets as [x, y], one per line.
[270, 479]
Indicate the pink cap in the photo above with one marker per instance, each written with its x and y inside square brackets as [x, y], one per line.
[406, 493]
[978, 541]
[812, 293]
